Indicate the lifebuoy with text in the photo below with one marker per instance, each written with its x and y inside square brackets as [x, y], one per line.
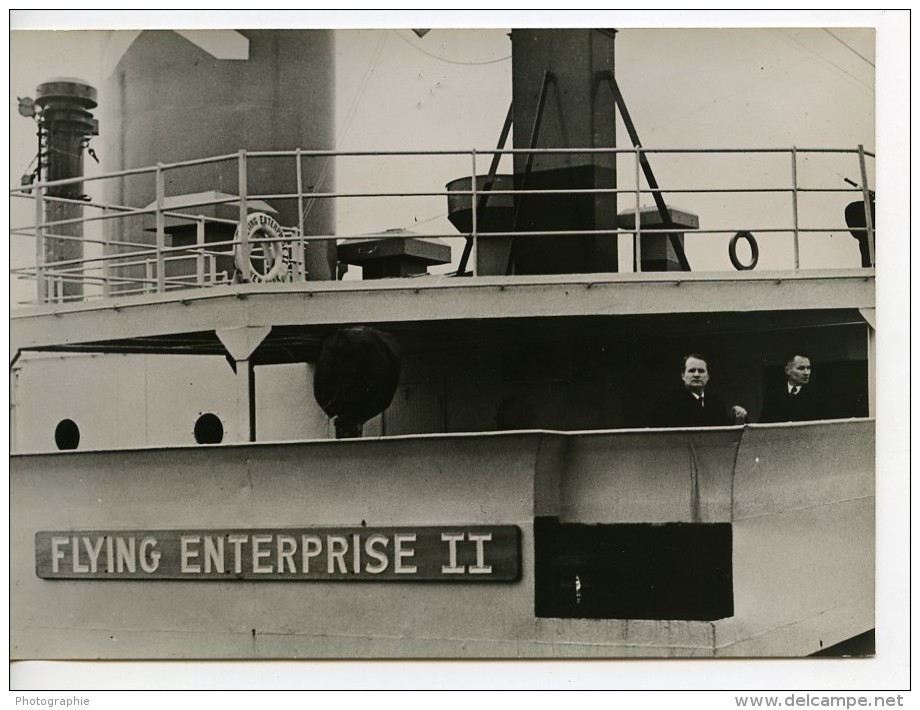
[265, 233]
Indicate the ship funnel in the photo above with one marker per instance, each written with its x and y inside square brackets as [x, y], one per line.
[557, 104]
[180, 98]
[565, 105]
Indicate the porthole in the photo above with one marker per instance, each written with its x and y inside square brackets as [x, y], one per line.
[67, 435]
[209, 429]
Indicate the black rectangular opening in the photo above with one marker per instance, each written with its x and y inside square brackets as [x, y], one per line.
[633, 570]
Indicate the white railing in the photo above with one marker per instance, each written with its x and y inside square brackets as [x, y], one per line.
[129, 263]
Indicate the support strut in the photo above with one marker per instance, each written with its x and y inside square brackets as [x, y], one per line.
[487, 187]
[548, 78]
[663, 211]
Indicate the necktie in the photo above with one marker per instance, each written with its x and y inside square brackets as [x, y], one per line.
[794, 391]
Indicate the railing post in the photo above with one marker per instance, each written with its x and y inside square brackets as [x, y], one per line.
[244, 213]
[161, 229]
[795, 210]
[300, 208]
[871, 357]
[637, 238]
[106, 262]
[42, 287]
[867, 202]
[474, 204]
[199, 256]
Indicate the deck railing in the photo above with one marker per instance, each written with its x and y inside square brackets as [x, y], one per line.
[125, 260]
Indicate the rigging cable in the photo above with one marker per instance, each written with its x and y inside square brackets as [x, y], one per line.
[425, 221]
[871, 64]
[350, 115]
[723, 97]
[828, 61]
[451, 61]
[362, 88]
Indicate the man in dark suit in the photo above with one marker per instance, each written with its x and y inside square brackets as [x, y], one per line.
[692, 405]
[797, 400]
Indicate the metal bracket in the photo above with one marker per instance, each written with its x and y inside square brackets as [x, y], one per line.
[241, 342]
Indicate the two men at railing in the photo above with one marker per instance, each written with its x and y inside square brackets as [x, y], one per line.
[693, 406]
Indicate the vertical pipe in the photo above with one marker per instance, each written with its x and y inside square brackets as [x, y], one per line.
[474, 204]
[795, 210]
[870, 334]
[251, 399]
[867, 202]
[245, 401]
[161, 229]
[244, 213]
[67, 124]
[303, 246]
[199, 252]
[616, 155]
[637, 239]
[14, 402]
[42, 290]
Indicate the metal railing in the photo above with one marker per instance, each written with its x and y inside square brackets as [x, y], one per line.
[132, 262]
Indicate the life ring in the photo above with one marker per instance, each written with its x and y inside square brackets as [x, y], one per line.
[733, 251]
[259, 224]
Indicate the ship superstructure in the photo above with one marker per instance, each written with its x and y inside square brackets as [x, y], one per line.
[512, 500]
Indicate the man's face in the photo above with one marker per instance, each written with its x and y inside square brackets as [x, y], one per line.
[798, 371]
[695, 375]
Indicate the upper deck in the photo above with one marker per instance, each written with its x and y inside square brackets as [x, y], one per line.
[173, 267]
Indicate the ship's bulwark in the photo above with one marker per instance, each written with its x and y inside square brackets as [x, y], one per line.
[798, 499]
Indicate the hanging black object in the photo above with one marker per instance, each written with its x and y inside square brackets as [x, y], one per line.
[356, 377]
[855, 215]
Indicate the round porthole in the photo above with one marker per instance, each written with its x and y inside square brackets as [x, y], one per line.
[209, 429]
[67, 435]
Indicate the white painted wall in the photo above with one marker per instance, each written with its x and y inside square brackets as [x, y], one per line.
[118, 401]
[285, 407]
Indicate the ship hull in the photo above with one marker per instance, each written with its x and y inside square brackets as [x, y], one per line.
[793, 503]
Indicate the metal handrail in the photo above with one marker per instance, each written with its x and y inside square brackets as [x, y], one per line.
[45, 229]
[420, 153]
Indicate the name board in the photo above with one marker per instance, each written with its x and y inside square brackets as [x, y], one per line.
[445, 554]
